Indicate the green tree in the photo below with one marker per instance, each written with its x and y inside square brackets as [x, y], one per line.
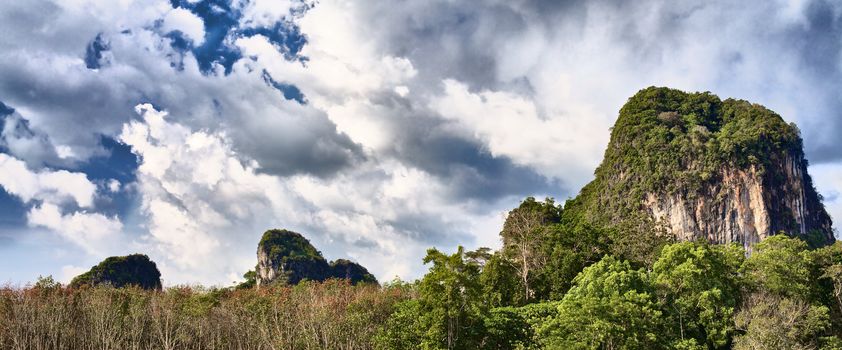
[403, 330]
[571, 246]
[771, 321]
[450, 302]
[611, 306]
[780, 265]
[828, 273]
[501, 283]
[250, 280]
[524, 234]
[505, 329]
[699, 288]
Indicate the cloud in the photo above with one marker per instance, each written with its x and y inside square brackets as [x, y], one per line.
[92, 231]
[31, 145]
[518, 131]
[53, 190]
[204, 218]
[186, 22]
[68, 272]
[265, 13]
[51, 186]
[74, 111]
[376, 128]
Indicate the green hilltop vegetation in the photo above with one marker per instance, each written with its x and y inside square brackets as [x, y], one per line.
[291, 259]
[121, 271]
[594, 273]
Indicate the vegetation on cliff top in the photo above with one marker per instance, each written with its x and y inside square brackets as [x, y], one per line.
[119, 271]
[283, 246]
[292, 253]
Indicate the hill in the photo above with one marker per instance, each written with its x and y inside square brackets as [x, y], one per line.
[697, 167]
[287, 256]
[120, 271]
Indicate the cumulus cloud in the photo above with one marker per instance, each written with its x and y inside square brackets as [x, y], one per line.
[51, 191]
[206, 217]
[30, 145]
[186, 22]
[51, 186]
[91, 231]
[377, 128]
[266, 13]
[511, 126]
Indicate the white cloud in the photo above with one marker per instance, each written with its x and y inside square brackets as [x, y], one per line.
[46, 185]
[113, 185]
[52, 190]
[188, 23]
[265, 13]
[68, 272]
[205, 217]
[511, 126]
[92, 231]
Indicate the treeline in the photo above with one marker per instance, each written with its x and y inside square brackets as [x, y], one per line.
[557, 283]
[310, 315]
[695, 296]
[561, 283]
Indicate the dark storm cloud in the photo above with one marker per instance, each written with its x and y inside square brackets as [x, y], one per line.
[94, 52]
[5, 110]
[430, 231]
[819, 44]
[469, 170]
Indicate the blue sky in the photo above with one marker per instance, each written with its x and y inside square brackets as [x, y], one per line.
[183, 129]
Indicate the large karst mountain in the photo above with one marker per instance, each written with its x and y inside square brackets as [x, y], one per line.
[702, 168]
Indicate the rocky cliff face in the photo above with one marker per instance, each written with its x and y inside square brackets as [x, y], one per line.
[287, 257]
[746, 206]
[700, 168]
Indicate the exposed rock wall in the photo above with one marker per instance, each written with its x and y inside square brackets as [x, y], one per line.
[746, 206]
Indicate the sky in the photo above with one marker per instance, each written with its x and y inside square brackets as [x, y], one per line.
[184, 129]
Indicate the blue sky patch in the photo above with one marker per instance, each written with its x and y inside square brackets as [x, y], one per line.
[219, 20]
[93, 53]
[284, 35]
[119, 163]
[291, 92]
[5, 110]
[222, 26]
